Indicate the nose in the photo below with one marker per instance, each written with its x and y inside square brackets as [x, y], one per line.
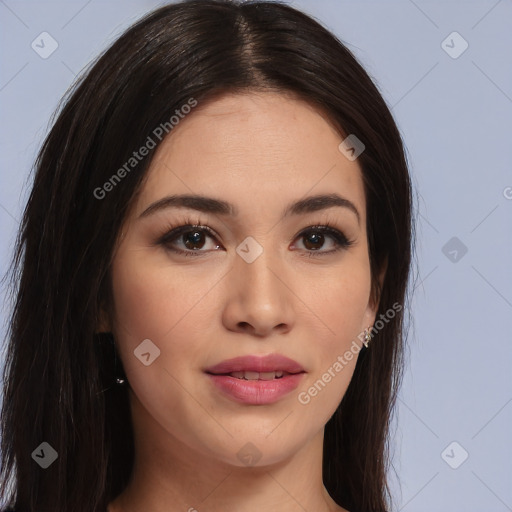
[259, 299]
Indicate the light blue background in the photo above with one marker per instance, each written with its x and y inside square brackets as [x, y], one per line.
[456, 117]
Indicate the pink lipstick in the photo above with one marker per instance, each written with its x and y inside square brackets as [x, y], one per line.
[256, 380]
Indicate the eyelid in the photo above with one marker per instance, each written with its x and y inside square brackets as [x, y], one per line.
[341, 241]
[174, 232]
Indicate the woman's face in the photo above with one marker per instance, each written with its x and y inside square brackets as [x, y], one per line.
[256, 280]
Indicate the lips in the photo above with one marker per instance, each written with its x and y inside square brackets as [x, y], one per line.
[256, 380]
[259, 364]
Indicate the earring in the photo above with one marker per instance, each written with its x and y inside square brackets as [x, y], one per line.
[367, 336]
[112, 371]
[119, 375]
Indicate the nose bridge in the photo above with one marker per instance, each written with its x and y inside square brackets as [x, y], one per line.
[257, 267]
[261, 296]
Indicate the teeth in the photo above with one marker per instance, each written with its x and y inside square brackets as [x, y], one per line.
[257, 376]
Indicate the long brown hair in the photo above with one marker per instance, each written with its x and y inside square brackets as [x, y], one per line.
[58, 384]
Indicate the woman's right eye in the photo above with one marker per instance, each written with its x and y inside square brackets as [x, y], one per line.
[193, 239]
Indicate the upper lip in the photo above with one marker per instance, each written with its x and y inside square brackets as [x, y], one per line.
[253, 363]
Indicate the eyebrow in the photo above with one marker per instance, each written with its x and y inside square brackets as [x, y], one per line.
[220, 207]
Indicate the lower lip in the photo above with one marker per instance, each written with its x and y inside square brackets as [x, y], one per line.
[256, 392]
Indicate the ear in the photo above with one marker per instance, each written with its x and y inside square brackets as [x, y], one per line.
[374, 299]
[103, 324]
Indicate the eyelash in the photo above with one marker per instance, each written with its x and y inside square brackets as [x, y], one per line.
[174, 231]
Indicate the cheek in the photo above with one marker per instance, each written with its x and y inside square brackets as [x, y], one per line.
[340, 299]
[157, 301]
[152, 298]
[139, 303]
[340, 303]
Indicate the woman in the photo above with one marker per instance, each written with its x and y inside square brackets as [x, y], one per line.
[211, 270]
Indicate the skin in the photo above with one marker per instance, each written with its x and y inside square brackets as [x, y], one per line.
[260, 152]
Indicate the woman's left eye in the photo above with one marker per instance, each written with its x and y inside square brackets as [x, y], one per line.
[194, 238]
[316, 235]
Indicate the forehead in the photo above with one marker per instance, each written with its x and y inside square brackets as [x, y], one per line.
[257, 150]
